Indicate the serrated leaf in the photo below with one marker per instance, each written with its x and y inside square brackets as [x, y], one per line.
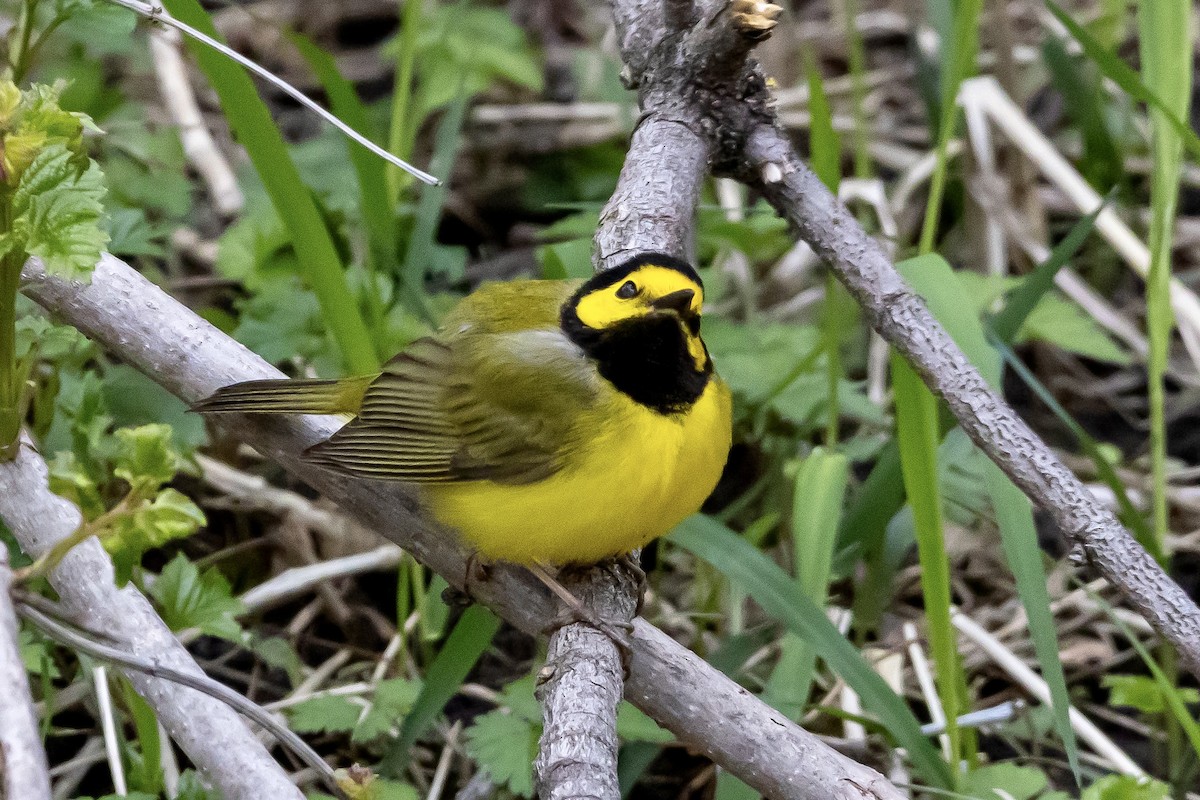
[326, 714]
[56, 212]
[69, 479]
[393, 699]
[188, 598]
[145, 455]
[170, 516]
[495, 742]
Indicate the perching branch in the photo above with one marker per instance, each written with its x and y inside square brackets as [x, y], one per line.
[153, 332]
[24, 772]
[214, 737]
[670, 49]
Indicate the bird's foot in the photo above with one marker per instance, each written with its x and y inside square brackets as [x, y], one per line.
[575, 612]
[477, 571]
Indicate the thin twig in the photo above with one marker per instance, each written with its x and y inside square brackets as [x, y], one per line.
[87, 642]
[155, 12]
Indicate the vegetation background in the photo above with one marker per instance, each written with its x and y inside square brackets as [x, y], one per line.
[847, 483]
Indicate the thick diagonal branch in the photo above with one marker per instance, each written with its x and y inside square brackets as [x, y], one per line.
[901, 317]
[153, 332]
[216, 740]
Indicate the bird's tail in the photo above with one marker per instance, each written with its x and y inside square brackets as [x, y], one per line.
[288, 397]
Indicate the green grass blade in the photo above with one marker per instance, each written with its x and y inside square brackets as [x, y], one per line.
[1170, 689]
[933, 278]
[471, 636]
[1124, 76]
[824, 146]
[819, 493]
[918, 435]
[1166, 51]
[959, 51]
[429, 208]
[1091, 447]
[1078, 82]
[777, 593]
[374, 203]
[1018, 537]
[403, 128]
[1022, 300]
[314, 247]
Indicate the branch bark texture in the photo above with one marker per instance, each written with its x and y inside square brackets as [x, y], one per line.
[24, 772]
[151, 331]
[903, 319]
[215, 738]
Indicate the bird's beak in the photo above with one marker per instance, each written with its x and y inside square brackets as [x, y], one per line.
[679, 302]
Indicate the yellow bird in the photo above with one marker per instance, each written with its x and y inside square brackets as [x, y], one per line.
[550, 422]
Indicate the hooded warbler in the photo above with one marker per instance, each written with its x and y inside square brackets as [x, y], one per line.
[550, 422]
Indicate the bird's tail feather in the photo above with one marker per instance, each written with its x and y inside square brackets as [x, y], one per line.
[288, 397]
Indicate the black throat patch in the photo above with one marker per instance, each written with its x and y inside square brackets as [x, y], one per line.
[646, 358]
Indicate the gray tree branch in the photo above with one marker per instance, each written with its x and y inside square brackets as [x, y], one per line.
[901, 317]
[670, 49]
[24, 772]
[218, 742]
[148, 329]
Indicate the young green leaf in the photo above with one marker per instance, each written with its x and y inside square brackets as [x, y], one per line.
[56, 212]
[504, 746]
[169, 516]
[325, 714]
[393, 699]
[145, 455]
[188, 598]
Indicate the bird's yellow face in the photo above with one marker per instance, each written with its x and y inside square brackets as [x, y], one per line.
[648, 289]
[640, 324]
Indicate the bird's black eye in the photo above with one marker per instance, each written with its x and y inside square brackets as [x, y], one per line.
[628, 289]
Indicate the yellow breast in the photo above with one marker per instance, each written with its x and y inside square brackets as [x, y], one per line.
[634, 476]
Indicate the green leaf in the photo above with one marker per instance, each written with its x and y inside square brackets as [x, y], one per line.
[145, 455]
[779, 596]
[188, 598]
[1142, 692]
[635, 726]
[1003, 782]
[1126, 787]
[504, 746]
[190, 787]
[948, 299]
[277, 652]
[325, 714]
[393, 699]
[1037, 284]
[56, 212]
[170, 516]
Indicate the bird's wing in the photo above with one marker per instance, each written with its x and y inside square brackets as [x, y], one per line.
[495, 406]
